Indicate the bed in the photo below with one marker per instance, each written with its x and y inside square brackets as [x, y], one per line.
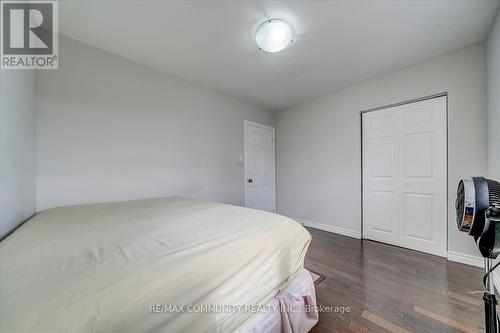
[157, 265]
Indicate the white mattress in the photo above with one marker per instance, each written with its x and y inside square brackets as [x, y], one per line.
[100, 268]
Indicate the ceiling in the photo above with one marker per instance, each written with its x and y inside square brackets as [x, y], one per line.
[337, 42]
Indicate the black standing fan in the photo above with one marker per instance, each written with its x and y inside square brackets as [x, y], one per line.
[474, 197]
[478, 214]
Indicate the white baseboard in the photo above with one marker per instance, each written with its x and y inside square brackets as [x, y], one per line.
[465, 259]
[330, 228]
[451, 255]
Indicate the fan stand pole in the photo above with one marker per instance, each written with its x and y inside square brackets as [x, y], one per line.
[490, 302]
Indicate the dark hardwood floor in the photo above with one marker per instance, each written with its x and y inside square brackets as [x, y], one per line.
[390, 289]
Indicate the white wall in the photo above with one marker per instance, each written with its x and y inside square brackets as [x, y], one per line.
[493, 66]
[318, 143]
[17, 148]
[493, 77]
[110, 129]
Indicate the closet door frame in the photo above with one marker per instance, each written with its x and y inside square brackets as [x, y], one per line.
[361, 170]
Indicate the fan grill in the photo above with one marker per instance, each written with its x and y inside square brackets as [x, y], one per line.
[494, 192]
[460, 204]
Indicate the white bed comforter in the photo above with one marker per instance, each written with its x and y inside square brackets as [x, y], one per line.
[101, 267]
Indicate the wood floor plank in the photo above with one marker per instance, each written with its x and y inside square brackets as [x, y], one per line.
[390, 327]
[386, 288]
[467, 298]
[448, 321]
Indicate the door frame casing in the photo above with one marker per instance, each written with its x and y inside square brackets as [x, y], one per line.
[251, 123]
[443, 94]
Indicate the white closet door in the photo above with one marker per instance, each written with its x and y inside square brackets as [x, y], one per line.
[404, 175]
[381, 176]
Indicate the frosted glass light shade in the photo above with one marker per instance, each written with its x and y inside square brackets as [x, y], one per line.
[274, 35]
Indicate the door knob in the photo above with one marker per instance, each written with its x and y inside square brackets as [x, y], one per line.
[250, 180]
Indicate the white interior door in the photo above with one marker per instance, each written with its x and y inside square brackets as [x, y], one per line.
[259, 167]
[404, 175]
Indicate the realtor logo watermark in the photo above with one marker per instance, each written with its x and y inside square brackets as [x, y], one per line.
[29, 35]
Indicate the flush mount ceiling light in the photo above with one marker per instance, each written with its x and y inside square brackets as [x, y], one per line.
[274, 35]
